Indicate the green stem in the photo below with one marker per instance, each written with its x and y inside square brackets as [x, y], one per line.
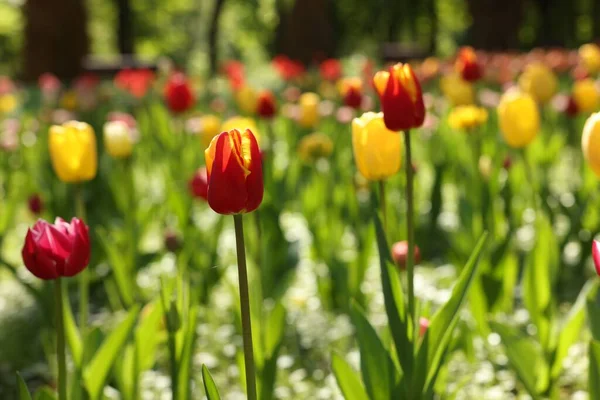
[83, 275]
[382, 204]
[131, 215]
[60, 341]
[174, 369]
[532, 182]
[410, 262]
[245, 307]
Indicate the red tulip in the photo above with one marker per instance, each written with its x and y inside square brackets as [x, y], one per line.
[287, 68]
[330, 69]
[178, 93]
[351, 89]
[48, 82]
[571, 108]
[235, 180]
[596, 255]
[234, 70]
[423, 326]
[198, 185]
[401, 98]
[266, 105]
[507, 163]
[135, 81]
[35, 204]
[55, 250]
[400, 254]
[467, 65]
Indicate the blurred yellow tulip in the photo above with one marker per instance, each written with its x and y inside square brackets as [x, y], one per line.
[69, 100]
[539, 81]
[377, 150]
[246, 99]
[586, 95]
[457, 90]
[72, 147]
[314, 146]
[519, 118]
[467, 117]
[241, 124]
[8, 103]
[590, 142]
[118, 140]
[309, 110]
[210, 126]
[590, 57]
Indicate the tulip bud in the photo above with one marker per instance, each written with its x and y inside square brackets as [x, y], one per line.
[172, 241]
[117, 139]
[423, 326]
[507, 163]
[314, 147]
[309, 110]
[590, 57]
[467, 117]
[377, 150]
[246, 99]
[54, 250]
[72, 147]
[590, 142]
[401, 98]
[519, 118]
[539, 81]
[198, 185]
[571, 109]
[266, 107]
[467, 65]
[351, 91]
[234, 166]
[596, 255]
[178, 93]
[35, 204]
[400, 254]
[586, 95]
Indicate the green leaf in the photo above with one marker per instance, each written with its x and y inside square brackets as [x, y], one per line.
[187, 352]
[571, 330]
[71, 332]
[438, 335]
[594, 370]
[529, 368]
[275, 328]
[96, 372]
[45, 393]
[593, 312]
[376, 365]
[23, 391]
[147, 335]
[395, 307]
[120, 269]
[347, 379]
[209, 385]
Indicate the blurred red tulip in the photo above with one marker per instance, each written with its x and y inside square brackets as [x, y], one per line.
[467, 65]
[400, 254]
[49, 83]
[266, 105]
[54, 250]
[172, 241]
[507, 163]
[178, 93]
[288, 69]
[35, 204]
[571, 109]
[331, 69]
[198, 185]
[423, 326]
[234, 70]
[135, 81]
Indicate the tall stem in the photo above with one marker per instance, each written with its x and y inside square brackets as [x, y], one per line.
[174, 370]
[245, 307]
[410, 262]
[83, 275]
[382, 204]
[60, 341]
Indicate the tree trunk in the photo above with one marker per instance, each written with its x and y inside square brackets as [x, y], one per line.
[495, 24]
[125, 28]
[56, 39]
[213, 34]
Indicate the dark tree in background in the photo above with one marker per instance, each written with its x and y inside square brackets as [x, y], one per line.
[125, 27]
[495, 24]
[56, 38]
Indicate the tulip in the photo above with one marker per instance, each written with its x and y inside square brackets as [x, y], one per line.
[315, 146]
[377, 150]
[571, 109]
[456, 90]
[401, 98]
[234, 168]
[72, 148]
[308, 110]
[241, 124]
[539, 81]
[351, 91]
[590, 57]
[596, 255]
[117, 139]
[35, 204]
[586, 95]
[519, 118]
[590, 142]
[198, 185]
[246, 99]
[8, 103]
[266, 105]
[210, 126]
[55, 250]
[178, 93]
[330, 69]
[467, 117]
[467, 65]
[400, 254]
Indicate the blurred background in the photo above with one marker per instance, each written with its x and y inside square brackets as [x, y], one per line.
[58, 36]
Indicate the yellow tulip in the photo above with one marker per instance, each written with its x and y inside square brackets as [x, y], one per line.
[72, 148]
[457, 90]
[467, 117]
[210, 126]
[539, 81]
[241, 124]
[309, 110]
[586, 95]
[117, 139]
[314, 146]
[8, 103]
[377, 150]
[519, 118]
[590, 142]
[246, 99]
[69, 100]
[590, 57]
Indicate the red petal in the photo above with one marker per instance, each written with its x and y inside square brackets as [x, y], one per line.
[596, 255]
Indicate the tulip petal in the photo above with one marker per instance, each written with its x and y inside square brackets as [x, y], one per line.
[254, 181]
[596, 255]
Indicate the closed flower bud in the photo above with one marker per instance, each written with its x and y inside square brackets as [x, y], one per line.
[178, 93]
[118, 140]
[35, 204]
[571, 109]
[586, 95]
[423, 326]
[235, 179]
[246, 99]
[401, 97]
[519, 118]
[198, 185]
[314, 146]
[55, 250]
[72, 147]
[266, 105]
[507, 163]
[467, 117]
[377, 150]
[400, 254]
[308, 110]
[467, 65]
[351, 92]
[172, 241]
[539, 81]
[590, 57]
[596, 255]
[590, 142]
[456, 90]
